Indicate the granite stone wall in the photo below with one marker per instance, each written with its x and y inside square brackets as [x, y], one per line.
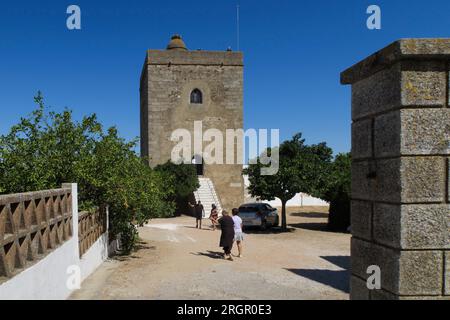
[400, 170]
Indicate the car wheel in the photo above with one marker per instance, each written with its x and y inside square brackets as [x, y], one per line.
[263, 225]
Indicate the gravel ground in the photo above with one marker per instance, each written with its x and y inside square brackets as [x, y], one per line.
[176, 261]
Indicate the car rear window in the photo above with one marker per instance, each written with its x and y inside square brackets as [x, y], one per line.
[248, 209]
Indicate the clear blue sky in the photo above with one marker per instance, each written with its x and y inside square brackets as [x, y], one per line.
[294, 51]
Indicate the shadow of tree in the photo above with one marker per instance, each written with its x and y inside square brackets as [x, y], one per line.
[140, 245]
[315, 226]
[310, 214]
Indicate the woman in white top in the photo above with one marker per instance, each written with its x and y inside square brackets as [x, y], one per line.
[238, 234]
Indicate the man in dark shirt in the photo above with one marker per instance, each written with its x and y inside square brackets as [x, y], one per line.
[198, 212]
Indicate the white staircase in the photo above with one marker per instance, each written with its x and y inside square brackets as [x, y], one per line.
[208, 196]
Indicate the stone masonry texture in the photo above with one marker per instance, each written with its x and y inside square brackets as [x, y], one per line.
[167, 80]
[362, 142]
[361, 219]
[447, 273]
[423, 132]
[410, 273]
[400, 170]
[421, 226]
[358, 289]
[400, 180]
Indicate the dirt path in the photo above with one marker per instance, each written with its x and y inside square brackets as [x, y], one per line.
[177, 261]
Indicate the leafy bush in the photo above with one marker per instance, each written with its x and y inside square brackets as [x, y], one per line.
[182, 176]
[337, 192]
[184, 179]
[47, 149]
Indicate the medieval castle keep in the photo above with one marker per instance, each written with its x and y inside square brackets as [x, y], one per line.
[179, 87]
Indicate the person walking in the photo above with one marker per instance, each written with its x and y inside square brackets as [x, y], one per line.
[214, 217]
[198, 212]
[227, 236]
[238, 234]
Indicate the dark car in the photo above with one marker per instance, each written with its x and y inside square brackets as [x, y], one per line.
[260, 215]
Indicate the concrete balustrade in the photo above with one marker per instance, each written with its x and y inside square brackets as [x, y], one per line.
[45, 243]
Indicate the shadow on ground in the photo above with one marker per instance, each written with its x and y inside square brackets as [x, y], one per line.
[192, 227]
[276, 230]
[338, 279]
[141, 245]
[310, 214]
[340, 261]
[314, 226]
[210, 254]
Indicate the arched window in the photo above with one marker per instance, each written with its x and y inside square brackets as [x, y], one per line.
[196, 97]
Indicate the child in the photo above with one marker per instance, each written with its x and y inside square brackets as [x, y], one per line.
[214, 216]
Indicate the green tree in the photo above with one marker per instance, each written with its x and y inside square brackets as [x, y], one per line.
[337, 192]
[114, 175]
[45, 150]
[182, 176]
[302, 168]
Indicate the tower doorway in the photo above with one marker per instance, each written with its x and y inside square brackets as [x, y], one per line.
[197, 161]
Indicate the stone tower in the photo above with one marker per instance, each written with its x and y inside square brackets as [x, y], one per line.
[180, 87]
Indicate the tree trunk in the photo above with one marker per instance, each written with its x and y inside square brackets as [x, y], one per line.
[283, 215]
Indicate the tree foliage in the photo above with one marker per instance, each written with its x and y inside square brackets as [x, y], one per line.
[184, 179]
[308, 169]
[337, 192]
[45, 150]
[182, 176]
[302, 168]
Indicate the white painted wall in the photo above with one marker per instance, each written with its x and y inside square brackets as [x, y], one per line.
[47, 279]
[94, 257]
[299, 200]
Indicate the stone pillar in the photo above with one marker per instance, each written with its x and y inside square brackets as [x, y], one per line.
[74, 206]
[400, 170]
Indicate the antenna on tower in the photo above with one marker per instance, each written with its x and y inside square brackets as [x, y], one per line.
[237, 25]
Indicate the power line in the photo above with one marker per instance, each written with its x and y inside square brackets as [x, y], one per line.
[237, 25]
